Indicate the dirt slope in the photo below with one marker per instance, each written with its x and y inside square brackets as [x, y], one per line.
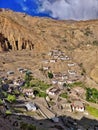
[79, 39]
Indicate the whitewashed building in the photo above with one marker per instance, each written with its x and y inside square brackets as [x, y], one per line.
[77, 106]
[30, 106]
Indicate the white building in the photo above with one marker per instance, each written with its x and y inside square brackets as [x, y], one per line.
[10, 72]
[64, 58]
[45, 68]
[53, 91]
[28, 92]
[20, 69]
[71, 64]
[55, 56]
[54, 81]
[72, 72]
[53, 60]
[77, 106]
[61, 82]
[31, 106]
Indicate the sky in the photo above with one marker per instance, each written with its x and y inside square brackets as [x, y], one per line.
[57, 9]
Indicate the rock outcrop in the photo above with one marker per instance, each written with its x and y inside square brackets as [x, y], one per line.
[4, 44]
[13, 35]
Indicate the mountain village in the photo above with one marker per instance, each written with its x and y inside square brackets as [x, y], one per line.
[57, 94]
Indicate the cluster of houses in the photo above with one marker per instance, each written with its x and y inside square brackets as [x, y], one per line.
[56, 55]
[10, 85]
[77, 106]
[17, 84]
[52, 92]
[69, 75]
[11, 82]
[20, 70]
[59, 79]
[75, 95]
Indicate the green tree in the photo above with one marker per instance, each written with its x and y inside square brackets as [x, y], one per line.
[28, 78]
[92, 95]
[11, 98]
[64, 85]
[50, 75]
[64, 95]
[42, 94]
[3, 94]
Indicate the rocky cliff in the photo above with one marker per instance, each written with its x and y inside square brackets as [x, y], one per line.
[25, 32]
[3, 43]
[16, 36]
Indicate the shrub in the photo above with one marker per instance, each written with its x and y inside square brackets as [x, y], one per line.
[28, 78]
[92, 95]
[11, 98]
[87, 31]
[76, 84]
[39, 92]
[42, 94]
[39, 84]
[92, 111]
[64, 85]
[4, 94]
[64, 95]
[8, 112]
[50, 75]
[95, 43]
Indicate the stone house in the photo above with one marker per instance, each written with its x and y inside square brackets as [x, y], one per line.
[61, 82]
[53, 91]
[53, 60]
[71, 72]
[45, 68]
[28, 92]
[55, 56]
[20, 69]
[10, 72]
[69, 81]
[54, 81]
[64, 58]
[57, 75]
[64, 76]
[71, 64]
[77, 106]
[30, 106]
[18, 82]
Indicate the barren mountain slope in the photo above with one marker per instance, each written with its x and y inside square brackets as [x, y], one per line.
[78, 39]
